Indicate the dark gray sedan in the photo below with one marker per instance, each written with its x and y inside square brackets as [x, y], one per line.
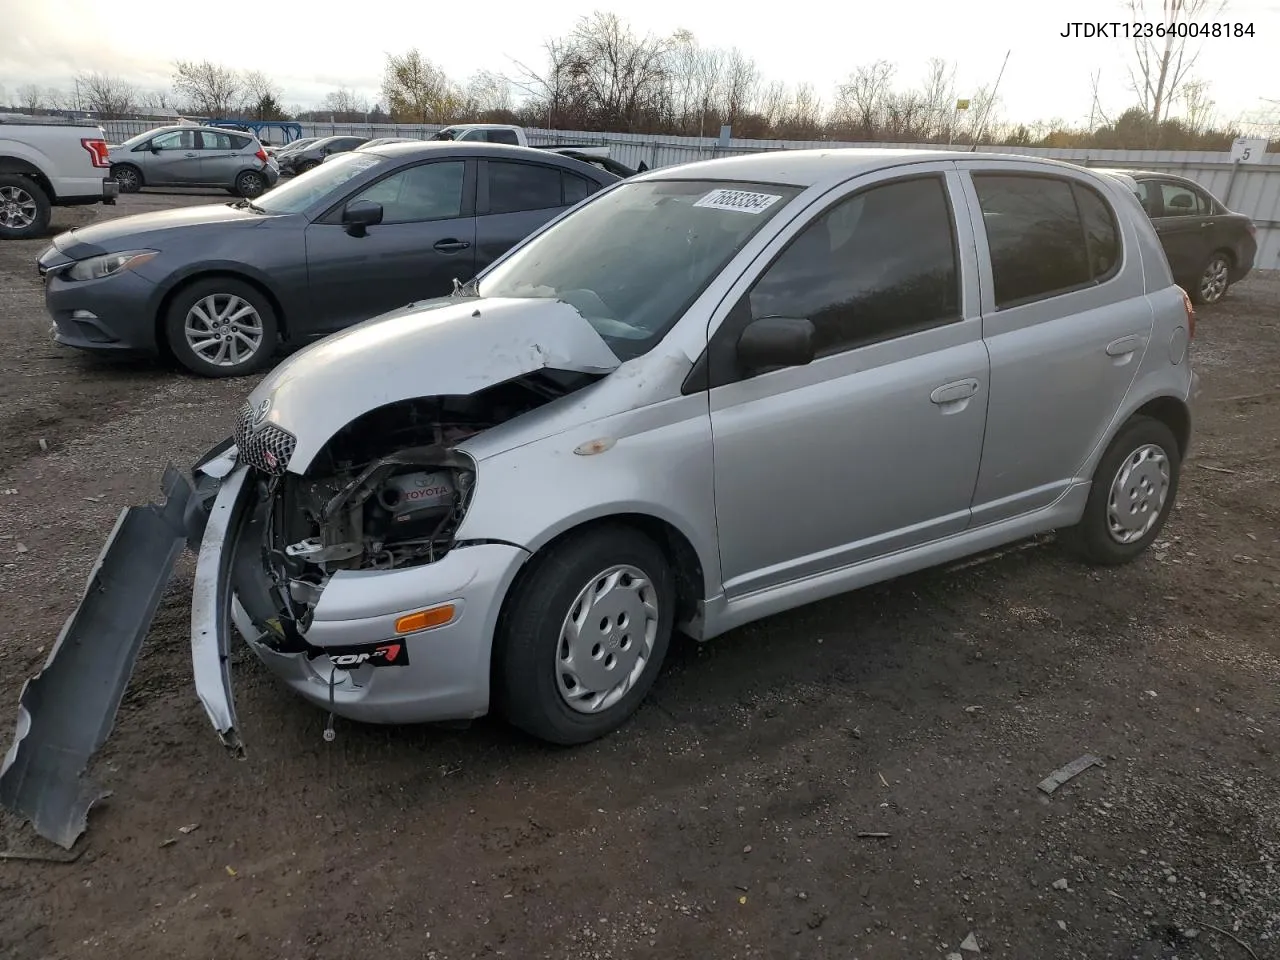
[219, 287]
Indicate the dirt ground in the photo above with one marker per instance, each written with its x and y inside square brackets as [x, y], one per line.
[741, 813]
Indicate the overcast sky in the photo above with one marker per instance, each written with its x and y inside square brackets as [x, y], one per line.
[316, 46]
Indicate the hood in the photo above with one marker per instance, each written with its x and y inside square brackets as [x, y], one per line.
[109, 236]
[444, 347]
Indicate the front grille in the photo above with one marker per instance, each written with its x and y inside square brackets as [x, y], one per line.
[267, 447]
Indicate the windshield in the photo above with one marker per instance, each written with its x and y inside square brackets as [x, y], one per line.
[634, 259]
[138, 138]
[296, 195]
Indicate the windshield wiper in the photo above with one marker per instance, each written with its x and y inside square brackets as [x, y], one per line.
[246, 204]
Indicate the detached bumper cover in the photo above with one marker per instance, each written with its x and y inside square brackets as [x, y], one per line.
[67, 710]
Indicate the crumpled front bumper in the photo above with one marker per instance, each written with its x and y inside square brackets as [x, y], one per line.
[66, 712]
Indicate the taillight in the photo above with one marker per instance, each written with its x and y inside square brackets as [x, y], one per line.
[97, 152]
[1191, 314]
[1251, 227]
[261, 155]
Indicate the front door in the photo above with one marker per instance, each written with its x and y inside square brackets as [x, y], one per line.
[426, 240]
[874, 446]
[1066, 321]
[173, 160]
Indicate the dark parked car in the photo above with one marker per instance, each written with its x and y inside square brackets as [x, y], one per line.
[219, 286]
[312, 155]
[1208, 246]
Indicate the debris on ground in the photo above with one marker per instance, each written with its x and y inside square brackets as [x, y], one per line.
[1073, 769]
[970, 943]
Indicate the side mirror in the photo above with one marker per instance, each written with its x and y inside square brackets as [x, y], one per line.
[155, 149]
[359, 215]
[776, 342]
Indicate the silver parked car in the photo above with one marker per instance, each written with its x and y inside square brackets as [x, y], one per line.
[194, 156]
[702, 396]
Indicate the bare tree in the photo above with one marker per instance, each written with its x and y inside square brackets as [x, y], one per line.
[1162, 63]
[156, 100]
[31, 97]
[623, 77]
[107, 95]
[417, 90]
[861, 100]
[259, 96]
[1199, 108]
[741, 80]
[207, 88]
[487, 95]
[344, 101]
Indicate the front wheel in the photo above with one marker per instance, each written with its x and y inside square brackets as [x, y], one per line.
[25, 210]
[129, 178]
[1214, 280]
[583, 636]
[221, 327]
[1132, 494]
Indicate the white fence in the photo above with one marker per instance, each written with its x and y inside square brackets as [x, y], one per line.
[1252, 189]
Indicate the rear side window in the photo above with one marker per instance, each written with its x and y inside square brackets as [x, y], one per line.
[522, 186]
[576, 188]
[878, 265]
[1180, 201]
[239, 143]
[215, 141]
[504, 136]
[1047, 236]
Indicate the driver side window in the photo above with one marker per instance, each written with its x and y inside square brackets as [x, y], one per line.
[429, 191]
[177, 140]
[879, 264]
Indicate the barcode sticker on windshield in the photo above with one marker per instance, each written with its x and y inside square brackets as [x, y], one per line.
[741, 200]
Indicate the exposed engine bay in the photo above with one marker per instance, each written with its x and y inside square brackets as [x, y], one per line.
[361, 508]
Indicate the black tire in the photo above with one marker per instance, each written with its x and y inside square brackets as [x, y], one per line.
[307, 165]
[1213, 281]
[250, 184]
[526, 668]
[221, 289]
[1091, 539]
[25, 210]
[128, 177]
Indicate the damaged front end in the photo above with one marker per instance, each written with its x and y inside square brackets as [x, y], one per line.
[337, 467]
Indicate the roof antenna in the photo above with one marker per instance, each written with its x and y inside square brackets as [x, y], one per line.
[990, 103]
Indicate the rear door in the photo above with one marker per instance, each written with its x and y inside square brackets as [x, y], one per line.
[220, 156]
[1066, 322]
[426, 240]
[174, 159]
[517, 197]
[1185, 227]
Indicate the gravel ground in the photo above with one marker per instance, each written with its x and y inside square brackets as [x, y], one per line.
[729, 819]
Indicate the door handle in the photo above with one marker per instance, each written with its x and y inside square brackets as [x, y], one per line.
[189, 155]
[951, 392]
[1207, 223]
[1123, 347]
[451, 245]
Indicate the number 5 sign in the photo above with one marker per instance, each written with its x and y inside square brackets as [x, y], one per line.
[1248, 149]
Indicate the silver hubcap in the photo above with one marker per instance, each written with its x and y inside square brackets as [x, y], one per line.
[250, 183]
[224, 329]
[1214, 282]
[606, 641]
[1138, 493]
[17, 208]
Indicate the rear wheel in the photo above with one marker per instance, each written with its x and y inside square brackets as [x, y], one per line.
[128, 177]
[250, 184]
[25, 209]
[583, 636]
[221, 327]
[1132, 494]
[308, 165]
[1214, 280]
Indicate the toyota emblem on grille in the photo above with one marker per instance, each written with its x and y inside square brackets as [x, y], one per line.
[261, 413]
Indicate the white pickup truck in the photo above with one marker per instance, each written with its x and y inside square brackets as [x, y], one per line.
[512, 135]
[49, 164]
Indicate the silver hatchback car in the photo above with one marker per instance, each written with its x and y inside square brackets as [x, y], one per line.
[194, 156]
[704, 395]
